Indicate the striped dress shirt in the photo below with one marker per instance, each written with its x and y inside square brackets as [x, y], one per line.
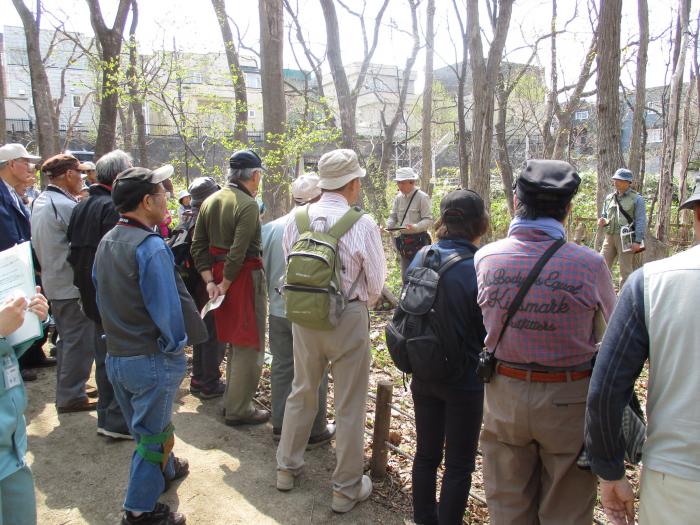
[359, 249]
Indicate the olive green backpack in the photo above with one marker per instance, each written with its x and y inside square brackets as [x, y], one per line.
[312, 292]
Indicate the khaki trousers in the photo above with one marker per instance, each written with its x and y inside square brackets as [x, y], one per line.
[611, 250]
[244, 365]
[667, 499]
[346, 348]
[532, 435]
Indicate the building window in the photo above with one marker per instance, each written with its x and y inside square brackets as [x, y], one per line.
[76, 101]
[655, 135]
[581, 115]
[193, 78]
[252, 81]
[251, 113]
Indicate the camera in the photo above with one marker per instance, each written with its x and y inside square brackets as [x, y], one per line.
[487, 366]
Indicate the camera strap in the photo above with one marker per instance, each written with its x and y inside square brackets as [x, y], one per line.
[630, 221]
[525, 287]
[408, 207]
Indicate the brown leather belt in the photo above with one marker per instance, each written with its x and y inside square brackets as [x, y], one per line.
[542, 377]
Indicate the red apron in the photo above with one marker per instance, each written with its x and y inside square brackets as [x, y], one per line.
[235, 318]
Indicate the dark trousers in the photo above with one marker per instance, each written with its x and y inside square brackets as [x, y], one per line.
[449, 419]
[207, 357]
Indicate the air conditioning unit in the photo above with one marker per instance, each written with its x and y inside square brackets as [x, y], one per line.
[22, 93]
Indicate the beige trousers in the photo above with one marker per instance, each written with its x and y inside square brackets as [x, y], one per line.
[532, 436]
[667, 499]
[611, 250]
[244, 365]
[346, 348]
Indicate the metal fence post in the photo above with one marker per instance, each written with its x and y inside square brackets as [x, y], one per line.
[382, 421]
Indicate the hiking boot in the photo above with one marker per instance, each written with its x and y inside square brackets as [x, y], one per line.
[182, 468]
[160, 515]
[342, 503]
[210, 393]
[256, 418]
[321, 439]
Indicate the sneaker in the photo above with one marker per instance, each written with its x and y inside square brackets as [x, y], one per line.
[256, 418]
[285, 480]
[342, 504]
[321, 439]
[160, 515]
[210, 393]
[182, 468]
[114, 435]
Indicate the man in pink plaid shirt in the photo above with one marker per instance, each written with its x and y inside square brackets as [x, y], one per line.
[535, 403]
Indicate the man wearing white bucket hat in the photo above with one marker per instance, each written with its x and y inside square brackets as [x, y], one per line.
[410, 216]
[305, 190]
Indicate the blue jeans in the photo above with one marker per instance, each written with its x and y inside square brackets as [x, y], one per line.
[145, 387]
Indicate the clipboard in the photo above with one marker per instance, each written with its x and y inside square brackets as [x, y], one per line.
[17, 280]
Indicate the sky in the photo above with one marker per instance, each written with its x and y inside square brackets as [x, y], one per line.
[192, 25]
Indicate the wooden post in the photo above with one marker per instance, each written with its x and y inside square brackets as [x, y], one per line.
[382, 421]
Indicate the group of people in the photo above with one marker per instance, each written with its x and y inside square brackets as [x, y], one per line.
[127, 299]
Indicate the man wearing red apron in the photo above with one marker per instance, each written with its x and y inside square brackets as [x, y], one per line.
[226, 248]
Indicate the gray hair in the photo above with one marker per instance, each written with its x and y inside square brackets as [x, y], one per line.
[112, 164]
[235, 174]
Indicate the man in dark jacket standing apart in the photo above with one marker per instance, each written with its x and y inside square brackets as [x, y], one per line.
[91, 219]
[148, 318]
[226, 249]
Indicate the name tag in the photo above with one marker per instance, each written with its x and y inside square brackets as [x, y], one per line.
[10, 373]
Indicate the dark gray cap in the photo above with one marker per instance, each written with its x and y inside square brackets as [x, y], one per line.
[201, 188]
[694, 199]
[547, 184]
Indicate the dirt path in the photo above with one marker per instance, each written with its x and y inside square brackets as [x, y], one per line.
[81, 477]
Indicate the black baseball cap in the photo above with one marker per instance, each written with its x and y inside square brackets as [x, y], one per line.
[547, 184]
[133, 180]
[461, 206]
[246, 158]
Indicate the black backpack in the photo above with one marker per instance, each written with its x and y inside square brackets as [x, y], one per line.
[180, 242]
[420, 337]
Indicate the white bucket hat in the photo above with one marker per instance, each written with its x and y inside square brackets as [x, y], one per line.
[405, 174]
[305, 188]
[338, 167]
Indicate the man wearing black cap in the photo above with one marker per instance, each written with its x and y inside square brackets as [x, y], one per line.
[226, 249]
[535, 403]
[148, 318]
[51, 214]
[654, 320]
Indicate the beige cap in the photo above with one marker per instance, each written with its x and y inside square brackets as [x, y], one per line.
[405, 174]
[338, 167]
[305, 188]
[15, 151]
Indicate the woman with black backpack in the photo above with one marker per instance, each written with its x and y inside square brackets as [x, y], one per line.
[449, 410]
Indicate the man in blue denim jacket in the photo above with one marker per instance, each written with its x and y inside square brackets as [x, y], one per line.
[17, 502]
[147, 315]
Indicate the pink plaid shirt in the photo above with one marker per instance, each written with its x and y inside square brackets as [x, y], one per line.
[554, 324]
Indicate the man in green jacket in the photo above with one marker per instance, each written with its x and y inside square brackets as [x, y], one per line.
[623, 208]
[226, 248]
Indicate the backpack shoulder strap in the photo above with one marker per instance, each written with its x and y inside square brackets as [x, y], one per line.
[301, 216]
[453, 259]
[346, 222]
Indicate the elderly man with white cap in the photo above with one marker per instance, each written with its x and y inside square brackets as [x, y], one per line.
[305, 190]
[346, 346]
[411, 216]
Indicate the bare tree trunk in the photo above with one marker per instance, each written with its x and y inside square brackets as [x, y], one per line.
[462, 134]
[3, 123]
[240, 132]
[46, 128]
[484, 81]
[276, 194]
[552, 102]
[608, 84]
[426, 133]
[135, 92]
[663, 216]
[504, 165]
[638, 122]
[690, 133]
[110, 40]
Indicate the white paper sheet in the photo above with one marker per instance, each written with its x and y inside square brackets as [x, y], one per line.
[17, 280]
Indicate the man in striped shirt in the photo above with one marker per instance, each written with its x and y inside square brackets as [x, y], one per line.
[346, 347]
[535, 403]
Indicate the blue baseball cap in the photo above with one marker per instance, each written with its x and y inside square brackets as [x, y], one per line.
[623, 174]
